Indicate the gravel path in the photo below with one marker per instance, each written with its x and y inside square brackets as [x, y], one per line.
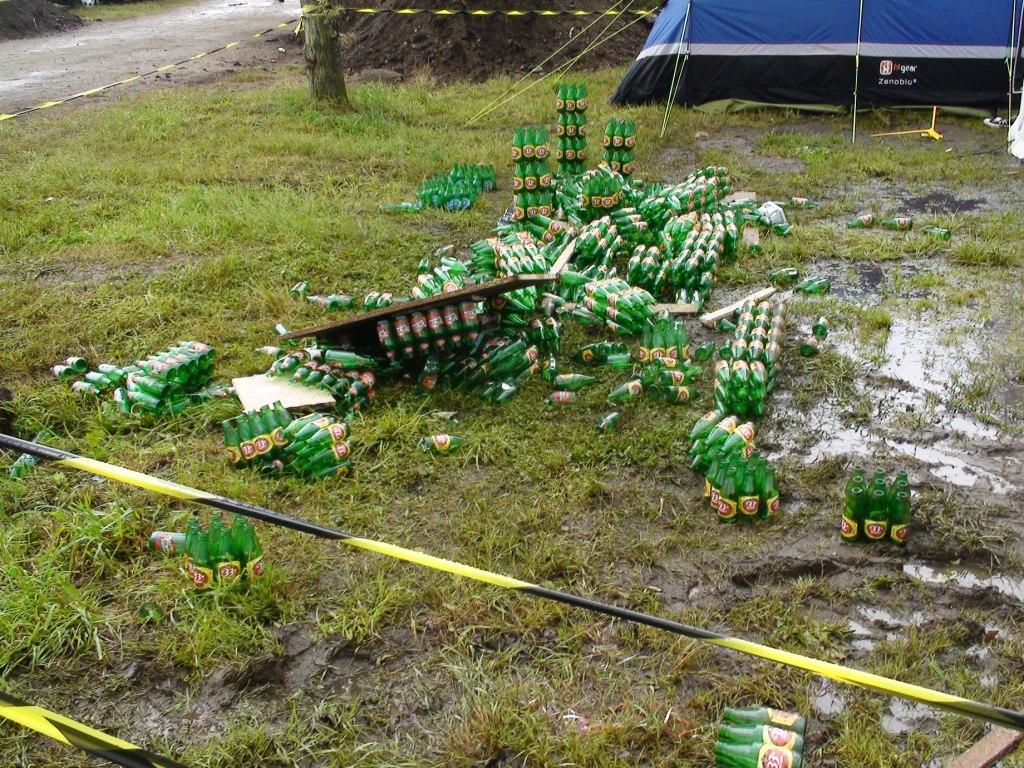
[41, 69]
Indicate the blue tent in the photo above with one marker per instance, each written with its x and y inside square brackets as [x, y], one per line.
[836, 52]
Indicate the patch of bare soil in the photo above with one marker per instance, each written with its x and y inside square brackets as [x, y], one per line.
[31, 18]
[476, 48]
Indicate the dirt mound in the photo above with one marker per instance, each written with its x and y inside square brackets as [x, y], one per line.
[474, 48]
[30, 18]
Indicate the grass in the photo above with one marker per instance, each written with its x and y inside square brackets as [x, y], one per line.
[188, 214]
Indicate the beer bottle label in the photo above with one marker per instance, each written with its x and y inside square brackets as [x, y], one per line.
[164, 543]
[247, 449]
[876, 529]
[562, 397]
[234, 454]
[228, 571]
[262, 444]
[848, 527]
[255, 568]
[441, 443]
[201, 577]
[645, 354]
[779, 737]
[726, 508]
[429, 382]
[341, 450]
[749, 505]
[714, 494]
[278, 438]
[900, 533]
[680, 395]
[774, 757]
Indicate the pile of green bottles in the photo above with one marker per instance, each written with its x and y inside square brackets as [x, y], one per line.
[571, 128]
[532, 182]
[497, 368]
[458, 189]
[745, 374]
[336, 371]
[620, 146]
[317, 447]
[664, 342]
[161, 384]
[610, 302]
[545, 333]
[450, 276]
[436, 331]
[333, 301]
[700, 192]
[602, 193]
[739, 484]
[517, 252]
[256, 437]
[219, 556]
[878, 511]
[760, 738]
[566, 385]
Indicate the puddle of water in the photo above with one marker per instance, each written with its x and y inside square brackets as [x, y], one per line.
[827, 702]
[904, 716]
[858, 629]
[863, 645]
[882, 616]
[915, 354]
[952, 468]
[1007, 585]
[865, 281]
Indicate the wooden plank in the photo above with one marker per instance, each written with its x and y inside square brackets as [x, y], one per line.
[675, 309]
[709, 318]
[737, 196]
[563, 259]
[361, 330]
[996, 744]
[751, 235]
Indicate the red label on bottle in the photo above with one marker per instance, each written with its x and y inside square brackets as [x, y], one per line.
[778, 737]
[726, 509]
[341, 450]
[750, 504]
[848, 528]
[255, 568]
[228, 571]
[164, 543]
[201, 577]
[338, 431]
[429, 382]
[875, 529]
[773, 505]
[234, 454]
[441, 442]
[587, 355]
[278, 437]
[714, 496]
[900, 533]
[248, 450]
[773, 757]
[261, 445]
[782, 717]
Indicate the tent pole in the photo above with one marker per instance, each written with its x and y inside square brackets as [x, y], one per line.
[856, 72]
[677, 73]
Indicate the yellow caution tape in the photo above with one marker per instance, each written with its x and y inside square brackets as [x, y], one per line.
[67, 731]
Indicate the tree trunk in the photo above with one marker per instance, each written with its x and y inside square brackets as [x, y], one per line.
[323, 57]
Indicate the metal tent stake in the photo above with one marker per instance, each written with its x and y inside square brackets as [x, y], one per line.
[929, 132]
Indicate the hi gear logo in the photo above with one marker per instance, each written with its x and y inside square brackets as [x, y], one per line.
[887, 68]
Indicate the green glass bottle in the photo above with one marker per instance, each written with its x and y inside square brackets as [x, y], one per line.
[168, 543]
[784, 275]
[899, 518]
[809, 346]
[442, 443]
[748, 502]
[628, 391]
[573, 381]
[728, 495]
[769, 489]
[820, 328]
[200, 566]
[854, 513]
[677, 395]
[861, 222]
[248, 547]
[902, 223]
[704, 351]
[939, 232]
[608, 423]
[876, 522]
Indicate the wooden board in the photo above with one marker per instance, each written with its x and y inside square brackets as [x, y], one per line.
[360, 331]
[675, 309]
[256, 391]
[751, 235]
[996, 744]
[709, 318]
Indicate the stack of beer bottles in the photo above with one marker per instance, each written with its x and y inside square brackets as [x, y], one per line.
[620, 146]
[745, 374]
[457, 189]
[218, 556]
[532, 183]
[336, 371]
[739, 483]
[876, 511]
[756, 738]
[571, 129]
